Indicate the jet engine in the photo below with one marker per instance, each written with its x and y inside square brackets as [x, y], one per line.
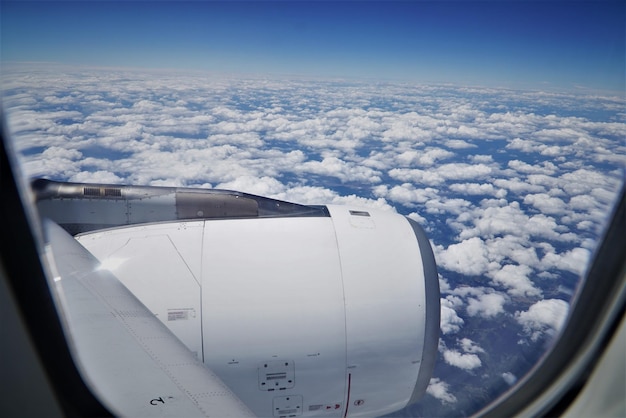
[301, 310]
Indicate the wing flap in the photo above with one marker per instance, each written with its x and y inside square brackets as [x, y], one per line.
[130, 359]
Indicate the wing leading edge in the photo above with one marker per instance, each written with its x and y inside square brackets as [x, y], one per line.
[127, 356]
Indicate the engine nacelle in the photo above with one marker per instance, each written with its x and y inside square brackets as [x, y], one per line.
[333, 314]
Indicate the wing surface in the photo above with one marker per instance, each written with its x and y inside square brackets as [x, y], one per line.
[130, 359]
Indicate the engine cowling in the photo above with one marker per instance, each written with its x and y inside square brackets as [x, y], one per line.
[333, 314]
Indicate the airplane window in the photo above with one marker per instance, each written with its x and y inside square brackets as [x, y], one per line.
[499, 127]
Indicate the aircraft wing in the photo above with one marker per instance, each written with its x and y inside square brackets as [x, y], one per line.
[141, 367]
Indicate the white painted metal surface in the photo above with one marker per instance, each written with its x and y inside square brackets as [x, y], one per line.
[133, 363]
[311, 316]
[272, 293]
[383, 282]
[161, 265]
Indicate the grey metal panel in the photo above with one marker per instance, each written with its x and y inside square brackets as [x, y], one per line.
[156, 208]
[106, 213]
[433, 312]
[193, 205]
[84, 207]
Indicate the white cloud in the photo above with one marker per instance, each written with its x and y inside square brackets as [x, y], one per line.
[544, 317]
[499, 218]
[96, 177]
[574, 260]
[418, 218]
[459, 144]
[546, 203]
[453, 206]
[515, 278]
[476, 189]
[509, 378]
[481, 159]
[546, 168]
[467, 358]
[584, 181]
[486, 305]
[470, 346]
[460, 360]
[427, 157]
[334, 167]
[264, 186]
[518, 186]
[440, 390]
[467, 257]
[514, 248]
[438, 175]
[406, 194]
[450, 321]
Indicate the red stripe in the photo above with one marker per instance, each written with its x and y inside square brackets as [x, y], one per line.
[348, 400]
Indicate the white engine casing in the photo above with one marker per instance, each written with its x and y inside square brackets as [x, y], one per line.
[300, 316]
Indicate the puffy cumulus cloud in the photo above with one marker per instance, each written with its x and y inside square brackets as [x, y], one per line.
[444, 285]
[311, 195]
[583, 202]
[358, 201]
[546, 204]
[476, 189]
[461, 360]
[522, 167]
[453, 206]
[459, 144]
[568, 136]
[52, 153]
[515, 278]
[575, 260]
[544, 317]
[468, 257]
[486, 305]
[246, 139]
[501, 218]
[493, 221]
[466, 357]
[345, 171]
[96, 177]
[509, 378]
[526, 145]
[470, 346]
[410, 126]
[419, 219]
[463, 171]
[450, 322]
[584, 181]
[440, 174]
[308, 195]
[514, 248]
[440, 390]
[518, 186]
[548, 182]
[427, 157]
[54, 162]
[417, 176]
[264, 186]
[406, 194]
[480, 159]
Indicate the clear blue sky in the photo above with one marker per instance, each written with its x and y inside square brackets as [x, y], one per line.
[534, 44]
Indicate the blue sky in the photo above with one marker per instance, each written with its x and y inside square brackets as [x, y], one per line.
[538, 44]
